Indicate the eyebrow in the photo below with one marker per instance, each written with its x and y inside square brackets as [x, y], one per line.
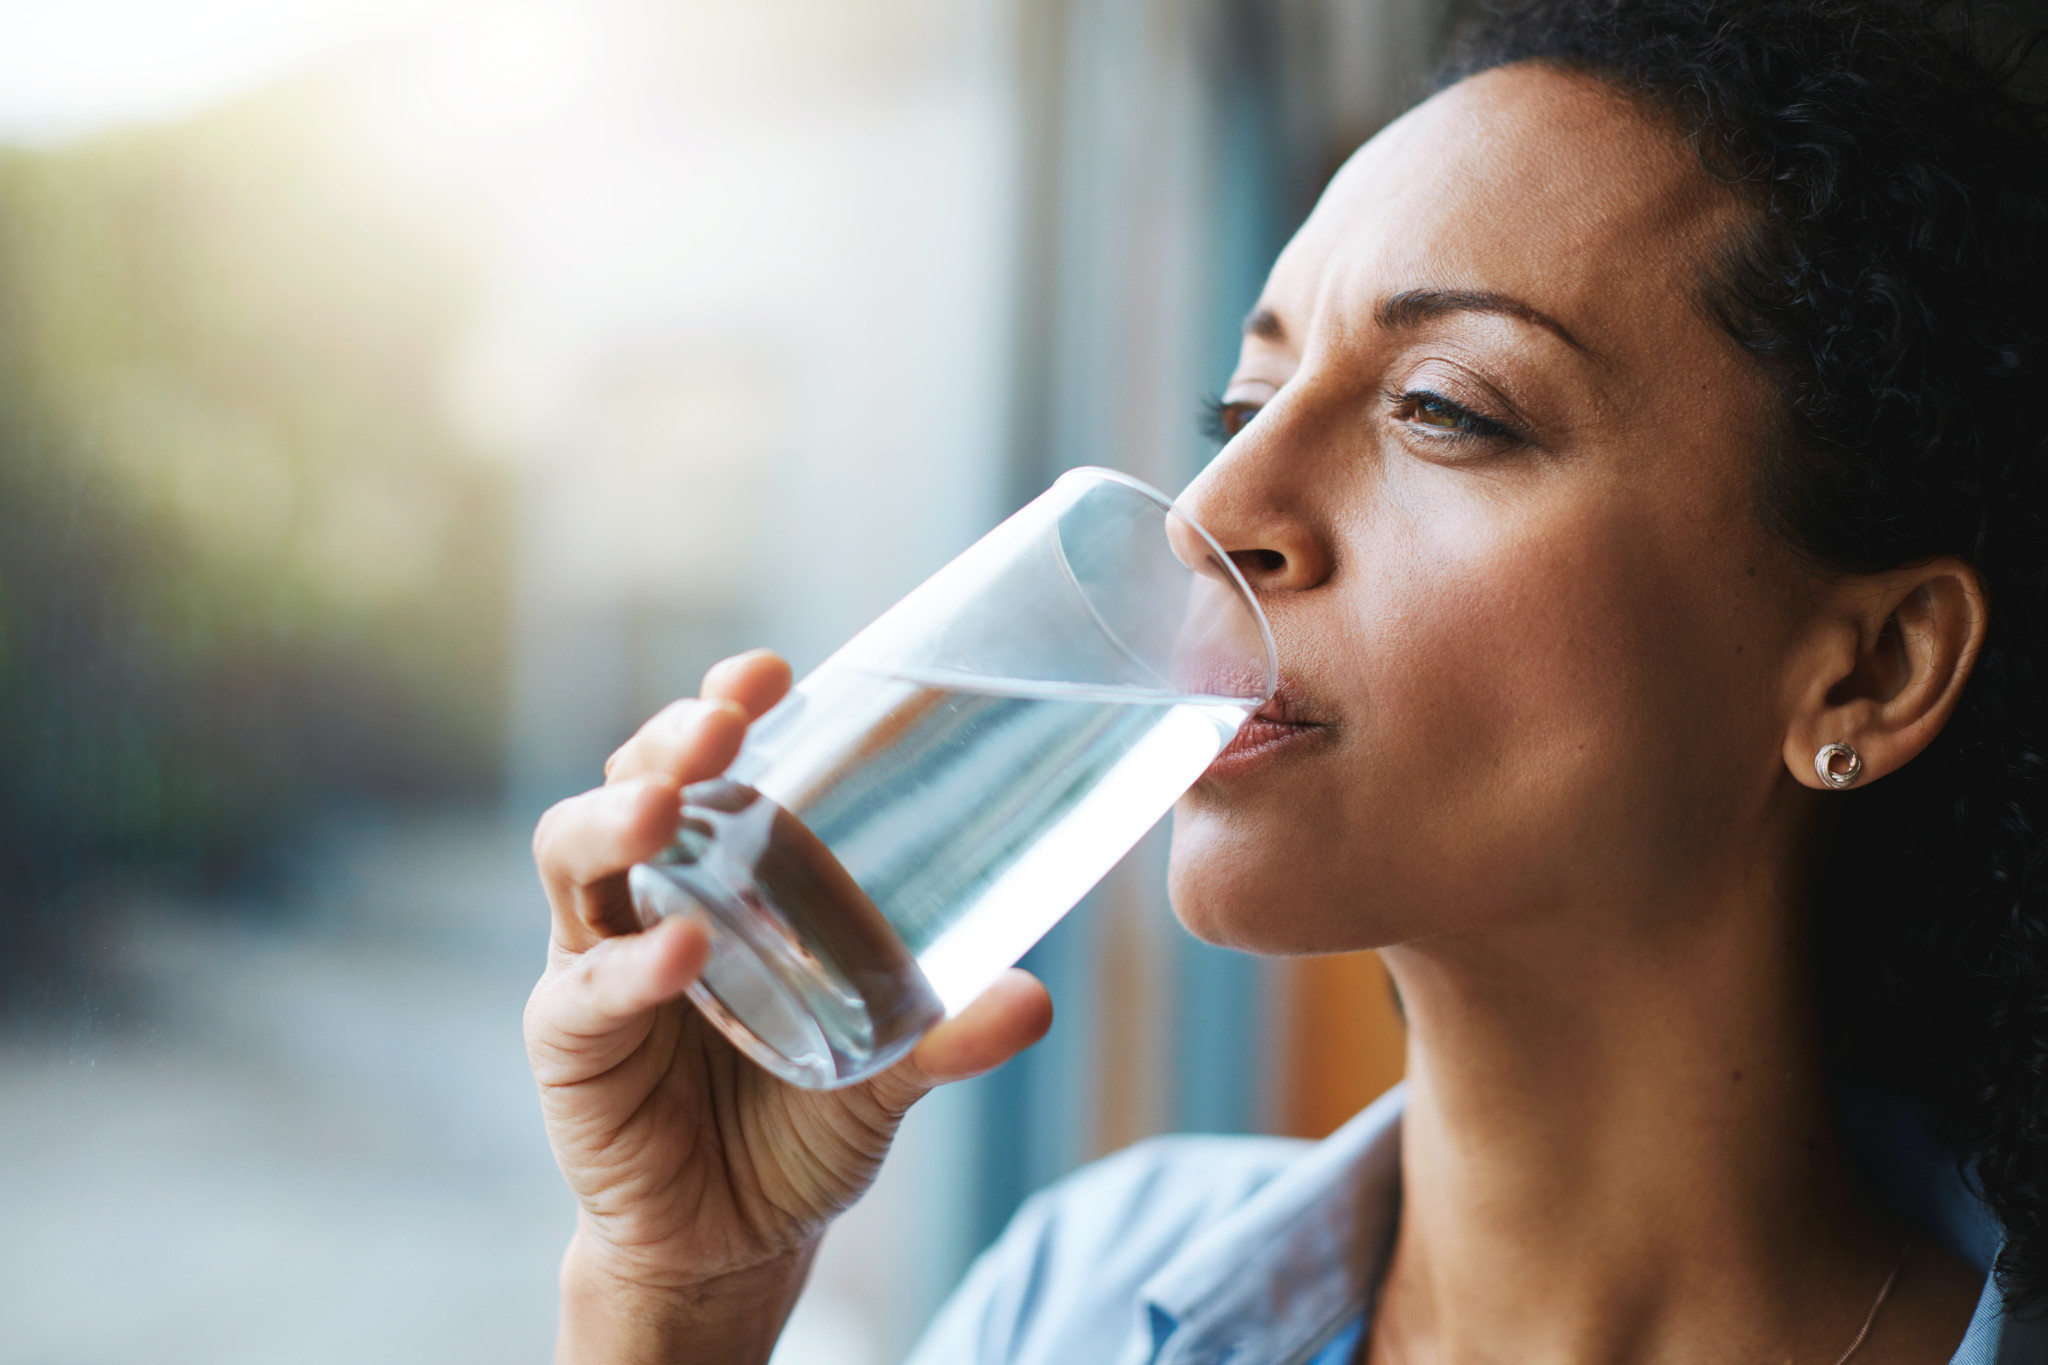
[1413, 307]
[1263, 323]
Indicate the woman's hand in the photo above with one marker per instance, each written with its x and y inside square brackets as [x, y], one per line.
[703, 1182]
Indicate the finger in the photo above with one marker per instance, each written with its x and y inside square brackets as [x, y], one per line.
[756, 680]
[1005, 1019]
[687, 741]
[583, 1021]
[584, 845]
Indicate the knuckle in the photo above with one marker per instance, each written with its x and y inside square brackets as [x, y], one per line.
[551, 1059]
[559, 830]
[544, 831]
[579, 977]
[533, 1020]
[638, 796]
[540, 1024]
[677, 714]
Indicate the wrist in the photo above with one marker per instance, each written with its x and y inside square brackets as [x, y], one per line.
[612, 1316]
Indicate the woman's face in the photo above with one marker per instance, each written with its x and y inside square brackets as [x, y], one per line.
[1494, 488]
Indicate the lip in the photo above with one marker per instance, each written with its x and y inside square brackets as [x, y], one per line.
[1284, 723]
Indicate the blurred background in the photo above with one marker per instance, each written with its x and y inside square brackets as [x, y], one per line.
[399, 401]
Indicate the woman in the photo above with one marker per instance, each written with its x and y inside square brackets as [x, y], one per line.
[1637, 458]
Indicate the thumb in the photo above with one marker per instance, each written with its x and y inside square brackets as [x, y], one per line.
[1008, 1017]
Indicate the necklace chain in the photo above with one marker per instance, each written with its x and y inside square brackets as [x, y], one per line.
[1883, 1293]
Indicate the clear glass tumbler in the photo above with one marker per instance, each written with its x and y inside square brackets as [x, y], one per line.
[937, 794]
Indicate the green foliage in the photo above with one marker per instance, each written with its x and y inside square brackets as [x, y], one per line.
[245, 569]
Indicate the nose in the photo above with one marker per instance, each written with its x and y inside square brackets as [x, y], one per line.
[1262, 516]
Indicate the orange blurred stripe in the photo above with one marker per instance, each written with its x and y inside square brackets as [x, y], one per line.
[1342, 1041]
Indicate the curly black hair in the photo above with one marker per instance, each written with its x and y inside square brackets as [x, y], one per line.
[1894, 285]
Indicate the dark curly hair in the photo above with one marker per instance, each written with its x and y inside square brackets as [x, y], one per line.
[1894, 284]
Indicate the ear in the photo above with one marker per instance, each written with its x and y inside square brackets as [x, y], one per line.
[1884, 665]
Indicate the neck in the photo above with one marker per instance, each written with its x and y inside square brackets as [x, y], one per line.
[1617, 1146]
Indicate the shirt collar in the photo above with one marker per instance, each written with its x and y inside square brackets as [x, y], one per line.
[1295, 1264]
[1289, 1268]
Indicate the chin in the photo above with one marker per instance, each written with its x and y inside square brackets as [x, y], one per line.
[1236, 888]
[1284, 888]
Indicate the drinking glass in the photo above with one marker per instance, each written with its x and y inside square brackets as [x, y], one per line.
[918, 811]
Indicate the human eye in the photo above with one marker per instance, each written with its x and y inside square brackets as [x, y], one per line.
[1439, 418]
[1220, 420]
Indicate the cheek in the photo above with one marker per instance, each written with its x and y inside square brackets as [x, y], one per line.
[1527, 669]
[1571, 693]
[1494, 654]
[1517, 694]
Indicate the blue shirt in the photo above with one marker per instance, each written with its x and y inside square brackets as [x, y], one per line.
[1264, 1251]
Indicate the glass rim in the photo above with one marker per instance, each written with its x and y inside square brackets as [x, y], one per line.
[1171, 506]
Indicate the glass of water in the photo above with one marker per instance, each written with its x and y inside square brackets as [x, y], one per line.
[917, 812]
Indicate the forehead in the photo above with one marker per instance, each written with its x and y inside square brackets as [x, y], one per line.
[1525, 180]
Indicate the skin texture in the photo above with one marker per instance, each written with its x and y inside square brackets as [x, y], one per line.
[1561, 691]
[1546, 736]
[702, 1183]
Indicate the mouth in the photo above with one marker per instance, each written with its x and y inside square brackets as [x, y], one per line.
[1283, 724]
